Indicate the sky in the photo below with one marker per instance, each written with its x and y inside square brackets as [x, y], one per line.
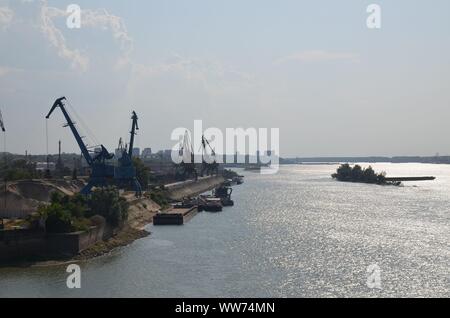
[313, 69]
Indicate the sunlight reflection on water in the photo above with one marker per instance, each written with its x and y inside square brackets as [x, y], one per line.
[294, 234]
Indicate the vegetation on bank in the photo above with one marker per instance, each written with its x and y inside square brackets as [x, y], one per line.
[66, 214]
[19, 170]
[142, 173]
[159, 196]
[229, 174]
[347, 173]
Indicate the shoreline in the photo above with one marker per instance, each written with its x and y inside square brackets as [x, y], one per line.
[125, 237]
[141, 214]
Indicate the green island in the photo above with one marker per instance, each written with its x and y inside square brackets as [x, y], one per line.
[347, 173]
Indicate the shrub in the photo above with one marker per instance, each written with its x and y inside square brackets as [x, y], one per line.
[19, 170]
[108, 203]
[67, 214]
[142, 173]
[58, 220]
[159, 196]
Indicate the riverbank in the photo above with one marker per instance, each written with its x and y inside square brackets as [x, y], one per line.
[142, 211]
[140, 214]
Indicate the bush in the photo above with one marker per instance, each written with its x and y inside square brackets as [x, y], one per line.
[108, 203]
[67, 214]
[159, 196]
[59, 219]
[142, 173]
[19, 170]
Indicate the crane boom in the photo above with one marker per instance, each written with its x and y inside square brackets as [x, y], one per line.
[70, 123]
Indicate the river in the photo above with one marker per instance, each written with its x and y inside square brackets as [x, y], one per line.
[297, 233]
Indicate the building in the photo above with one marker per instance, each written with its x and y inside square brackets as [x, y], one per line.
[136, 152]
[146, 153]
[118, 153]
[42, 166]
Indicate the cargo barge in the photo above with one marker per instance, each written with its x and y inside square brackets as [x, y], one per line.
[175, 216]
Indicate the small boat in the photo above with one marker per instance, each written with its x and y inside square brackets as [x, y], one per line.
[224, 194]
[185, 203]
[210, 204]
[238, 180]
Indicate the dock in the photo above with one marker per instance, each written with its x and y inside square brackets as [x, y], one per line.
[192, 188]
[175, 216]
[404, 179]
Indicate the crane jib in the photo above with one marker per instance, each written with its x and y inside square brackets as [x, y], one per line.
[71, 125]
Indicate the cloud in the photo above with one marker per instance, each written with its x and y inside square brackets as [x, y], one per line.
[313, 56]
[51, 22]
[96, 19]
[214, 77]
[102, 19]
[8, 70]
[57, 39]
[6, 16]
[3, 71]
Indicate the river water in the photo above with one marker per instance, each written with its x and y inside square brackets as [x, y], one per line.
[294, 234]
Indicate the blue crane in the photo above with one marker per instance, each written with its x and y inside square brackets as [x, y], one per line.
[102, 173]
[126, 173]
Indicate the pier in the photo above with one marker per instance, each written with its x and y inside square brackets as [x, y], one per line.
[404, 179]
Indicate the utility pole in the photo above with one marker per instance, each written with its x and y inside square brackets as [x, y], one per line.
[59, 164]
[2, 126]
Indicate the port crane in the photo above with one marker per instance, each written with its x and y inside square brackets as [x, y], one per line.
[103, 173]
[187, 166]
[126, 173]
[209, 168]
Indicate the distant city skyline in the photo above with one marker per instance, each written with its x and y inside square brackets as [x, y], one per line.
[311, 68]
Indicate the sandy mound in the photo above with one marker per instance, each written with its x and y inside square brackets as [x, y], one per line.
[23, 197]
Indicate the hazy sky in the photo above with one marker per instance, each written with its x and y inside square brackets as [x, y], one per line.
[311, 68]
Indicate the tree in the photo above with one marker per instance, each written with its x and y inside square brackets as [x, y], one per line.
[356, 174]
[58, 220]
[108, 203]
[142, 172]
[20, 170]
[369, 175]
[65, 214]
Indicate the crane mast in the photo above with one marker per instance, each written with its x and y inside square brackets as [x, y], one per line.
[133, 133]
[2, 124]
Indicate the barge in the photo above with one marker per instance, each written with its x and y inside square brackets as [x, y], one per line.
[175, 216]
[209, 204]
